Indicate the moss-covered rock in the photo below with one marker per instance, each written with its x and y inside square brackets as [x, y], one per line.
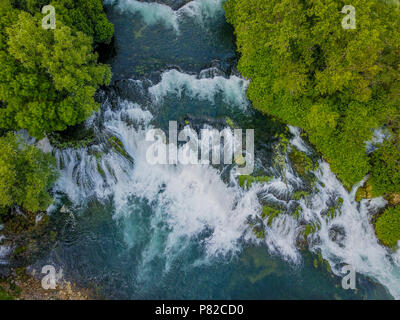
[259, 232]
[393, 199]
[270, 214]
[310, 228]
[365, 192]
[118, 146]
[74, 137]
[246, 180]
[300, 194]
[301, 162]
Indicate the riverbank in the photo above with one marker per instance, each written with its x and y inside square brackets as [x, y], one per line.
[21, 285]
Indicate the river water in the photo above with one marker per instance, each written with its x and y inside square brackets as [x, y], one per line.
[133, 230]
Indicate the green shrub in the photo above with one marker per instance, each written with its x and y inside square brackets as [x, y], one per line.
[385, 174]
[387, 227]
[26, 174]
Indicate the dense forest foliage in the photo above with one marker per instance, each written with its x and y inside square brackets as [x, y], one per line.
[26, 173]
[337, 84]
[48, 79]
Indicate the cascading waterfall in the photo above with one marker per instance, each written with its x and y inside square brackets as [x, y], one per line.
[195, 202]
[164, 211]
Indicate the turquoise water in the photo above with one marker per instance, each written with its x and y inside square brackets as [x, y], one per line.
[132, 231]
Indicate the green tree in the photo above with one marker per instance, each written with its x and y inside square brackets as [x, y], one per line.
[388, 227]
[26, 174]
[47, 77]
[87, 16]
[385, 175]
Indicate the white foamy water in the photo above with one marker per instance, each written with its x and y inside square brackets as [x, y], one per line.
[193, 203]
[174, 82]
[359, 247]
[153, 13]
[181, 203]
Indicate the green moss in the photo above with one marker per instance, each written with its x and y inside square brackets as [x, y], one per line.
[4, 295]
[279, 151]
[308, 230]
[100, 170]
[15, 289]
[299, 194]
[270, 213]
[326, 262]
[74, 137]
[20, 271]
[140, 70]
[246, 180]
[387, 227]
[118, 146]
[297, 212]
[98, 155]
[311, 228]
[53, 236]
[259, 232]
[332, 212]
[366, 192]
[20, 250]
[301, 162]
[229, 122]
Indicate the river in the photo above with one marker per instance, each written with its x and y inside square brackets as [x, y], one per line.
[132, 230]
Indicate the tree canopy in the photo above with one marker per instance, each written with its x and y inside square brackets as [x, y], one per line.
[47, 77]
[26, 174]
[86, 16]
[337, 84]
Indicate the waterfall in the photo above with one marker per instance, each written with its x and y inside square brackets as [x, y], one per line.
[196, 204]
